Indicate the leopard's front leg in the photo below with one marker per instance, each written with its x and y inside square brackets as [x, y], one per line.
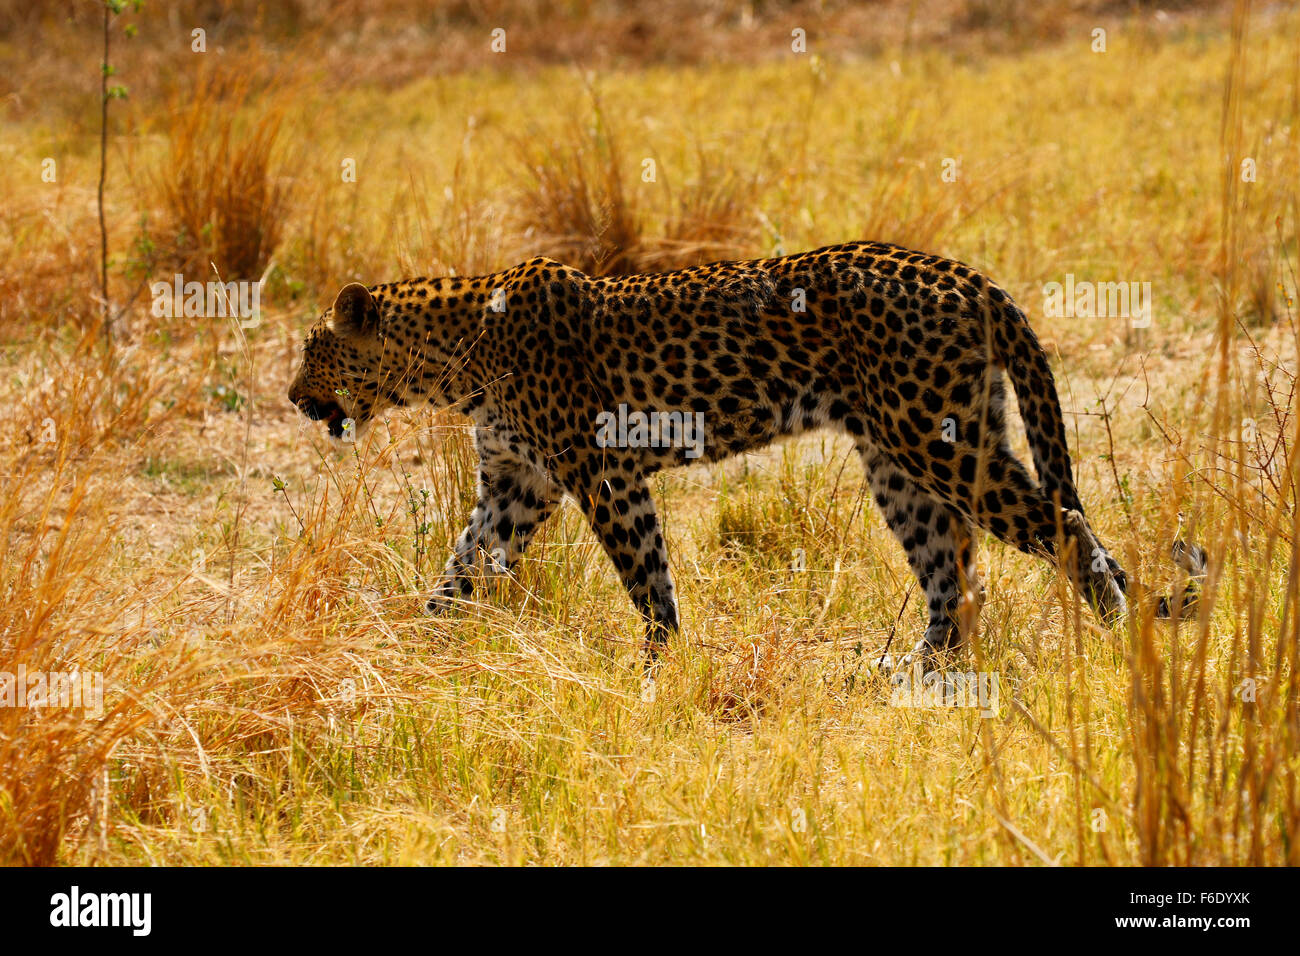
[514, 498]
[622, 514]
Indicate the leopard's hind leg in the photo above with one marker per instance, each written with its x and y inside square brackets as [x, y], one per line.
[1005, 500]
[939, 546]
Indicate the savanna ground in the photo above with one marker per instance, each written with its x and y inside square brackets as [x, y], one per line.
[250, 590]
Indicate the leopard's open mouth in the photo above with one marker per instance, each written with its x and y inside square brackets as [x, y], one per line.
[334, 422]
[328, 412]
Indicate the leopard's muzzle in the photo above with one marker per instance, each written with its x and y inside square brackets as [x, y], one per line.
[328, 412]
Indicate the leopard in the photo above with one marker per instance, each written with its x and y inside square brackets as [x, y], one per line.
[906, 353]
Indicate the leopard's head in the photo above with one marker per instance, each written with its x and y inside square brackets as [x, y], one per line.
[344, 378]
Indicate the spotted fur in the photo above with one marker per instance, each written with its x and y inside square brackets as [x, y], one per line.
[905, 352]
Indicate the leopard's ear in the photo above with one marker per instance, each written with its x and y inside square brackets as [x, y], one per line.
[355, 312]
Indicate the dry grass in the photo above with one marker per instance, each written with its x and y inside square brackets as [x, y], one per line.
[224, 188]
[576, 205]
[582, 199]
[250, 592]
[712, 216]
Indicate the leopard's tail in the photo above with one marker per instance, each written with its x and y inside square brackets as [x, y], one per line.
[1016, 348]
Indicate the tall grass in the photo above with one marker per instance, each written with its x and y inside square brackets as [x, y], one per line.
[576, 204]
[224, 184]
[584, 199]
[1220, 746]
[57, 616]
